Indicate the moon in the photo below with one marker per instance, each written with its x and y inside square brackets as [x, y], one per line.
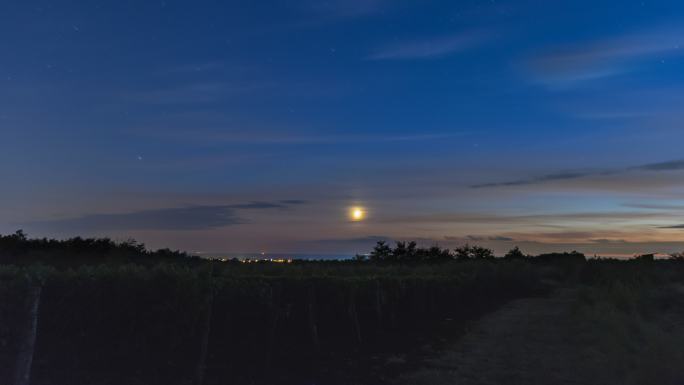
[357, 214]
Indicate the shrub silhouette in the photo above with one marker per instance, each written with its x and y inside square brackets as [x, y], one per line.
[479, 252]
[463, 252]
[381, 252]
[410, 252]
[573, 256]
[466, 252]
[405, 252]
[645, 258]
[18, 249]
[515, 253]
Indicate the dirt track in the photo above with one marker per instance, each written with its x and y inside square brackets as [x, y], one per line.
[528, 341]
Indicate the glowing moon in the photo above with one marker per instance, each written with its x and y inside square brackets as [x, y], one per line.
[357, 214]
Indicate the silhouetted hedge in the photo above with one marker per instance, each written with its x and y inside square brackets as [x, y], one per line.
[18, 249]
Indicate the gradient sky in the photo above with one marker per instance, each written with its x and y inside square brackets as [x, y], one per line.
[248, 126]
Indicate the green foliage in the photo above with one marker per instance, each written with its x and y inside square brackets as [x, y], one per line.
[630, 313]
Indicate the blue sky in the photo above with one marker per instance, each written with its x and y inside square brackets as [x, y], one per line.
[236, 126]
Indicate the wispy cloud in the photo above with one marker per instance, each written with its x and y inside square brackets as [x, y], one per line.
[366, 239]
[344, 138]
[546, 219]
[347, 8]
[180, 218]
[296, 137]
[479, 238]
[194, 93]
[606, 57]
[175, 218]
[672, 227]
[429, 48]
[257, 205]
[654, 206]
[539, 179]
[199, 67]
[675, 165]
[293, 201]
[605, 241]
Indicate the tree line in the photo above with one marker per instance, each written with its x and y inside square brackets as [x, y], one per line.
[19, 249]
[410, 252]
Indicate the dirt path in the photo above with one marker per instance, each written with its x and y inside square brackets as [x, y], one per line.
[528, 341]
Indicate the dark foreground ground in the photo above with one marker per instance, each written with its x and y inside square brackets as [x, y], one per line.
[215, 323]
[567, 338]
[173, 321]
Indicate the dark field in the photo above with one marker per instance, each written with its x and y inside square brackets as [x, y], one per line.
[173, 320]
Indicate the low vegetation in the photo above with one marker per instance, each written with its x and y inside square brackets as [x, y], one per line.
[113, 313]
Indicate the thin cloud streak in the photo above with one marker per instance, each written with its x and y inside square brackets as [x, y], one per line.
[675, 165]
[604, 58]
[195, 93]
[535, 219]
[203, 217]
[347, 8]
[366, 239]
[479, 238]
[654, 206]
[294, 138]
[540, 179]
[180, 218]
[429, 48]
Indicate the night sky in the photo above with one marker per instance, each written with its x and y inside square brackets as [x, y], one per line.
[250, 126]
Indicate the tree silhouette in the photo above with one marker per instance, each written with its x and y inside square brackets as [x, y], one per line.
[400, 253]
[436, 253]
[573, 256]
[462, 252]
[515, 253]
[20, 235]
[645, 258]
[466, 252]
[479, 252]
[381, 252]
[19, 249]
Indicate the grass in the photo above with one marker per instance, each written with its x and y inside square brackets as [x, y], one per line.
[631, 321]
[269, 323]
[338, 322]
[615, 322]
